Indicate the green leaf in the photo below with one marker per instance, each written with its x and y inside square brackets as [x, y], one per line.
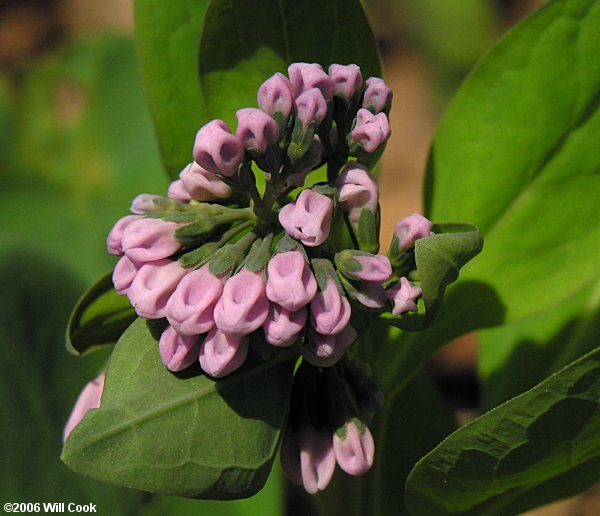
[99, 317]
[168, 39]
[508, 452]
[516, 155]
[184, 434]
[243, 44]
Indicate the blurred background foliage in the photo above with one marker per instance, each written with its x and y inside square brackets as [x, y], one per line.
[77, 144]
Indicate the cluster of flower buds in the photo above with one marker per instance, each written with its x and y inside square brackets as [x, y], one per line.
[224, 260]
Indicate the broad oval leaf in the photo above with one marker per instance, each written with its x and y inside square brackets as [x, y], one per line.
[538, 436]
[184, 434]
[244, 43]
[100, 317]
[168, 38]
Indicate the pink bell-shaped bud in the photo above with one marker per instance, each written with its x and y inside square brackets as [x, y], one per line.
[354, 448]
[404, 296]
[361, 266]
[88, 399]
[178, 191]
[152, 287]
[256, 129]
[144, 203]
[409, 229]
[221, 354]
[178, 352]
[114, 241]
[275, 96]
[347, 79]
[243, 306]
[317, 459]
[311, 107]
[147, 240]
[377, 97]
[203, 185]
[329, 311]
[308, 218]
[304, 76]
[282, 327]
[371, 130]
[190, 308]
[326, 350]
[357, 190]
[217, 150]
[123, 275]
[291, 283]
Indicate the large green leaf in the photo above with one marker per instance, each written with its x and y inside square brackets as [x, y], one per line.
[99, 317]
[168, 39]
[244, 43]
[183, 434]
[502, 457]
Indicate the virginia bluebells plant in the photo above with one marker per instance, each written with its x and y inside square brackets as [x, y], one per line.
[224, 261]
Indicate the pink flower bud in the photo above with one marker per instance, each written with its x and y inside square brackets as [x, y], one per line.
[304, 76]
[217, 150]
[308, 218]
[326, 350]
[377, 97]
[147, 202]
[291, 283]
[317, 459]
[178, 191]
[370, 130]
[329, 311]
[203, 185]
[275, 96]
[409, 229]
[88, 399]
[153, 285]
[375, 268]
[282, 327]
[190, 307]
[221, 354]
[370, 295]
[123, 275]
[311, 107]
[354, 451]
[256, 129]
[178, 352]
[346, 79]
[404, 296]
[114, 240]
[147, 240]
[357, 189]
[243, 306]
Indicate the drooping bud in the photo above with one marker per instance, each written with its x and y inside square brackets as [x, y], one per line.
[123, 275]
[377, 97]
[190, 307]
[282, 327]
[217, 150]
[404, 296]
[361, 266]
[203, 185]
[243, 306]
[329, 311]
[178, 352]
[311, 108]
[291, 283]
[153, 285]
[308, 218]
[114, 241]
[357, 190]
[304, 76]
[275, 96]
[256, 129]
[317, 459]
[325, 350]
[221, 354]
[178, 191]
[409, 229]
[354, 448]
[147, 240]
[347, 80]
[88, 399]
[144, 203]
[370, 130]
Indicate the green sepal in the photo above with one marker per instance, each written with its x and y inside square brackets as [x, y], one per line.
[230, 256]
[196, 231]
[368, 231]
[259, 254]
[301, 140]
[99, 317]
[323, 270]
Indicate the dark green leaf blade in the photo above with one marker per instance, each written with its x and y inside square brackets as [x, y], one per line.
[540, 435]
[243, 44]
[184, 434]
[168, 38]
[100, 317]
